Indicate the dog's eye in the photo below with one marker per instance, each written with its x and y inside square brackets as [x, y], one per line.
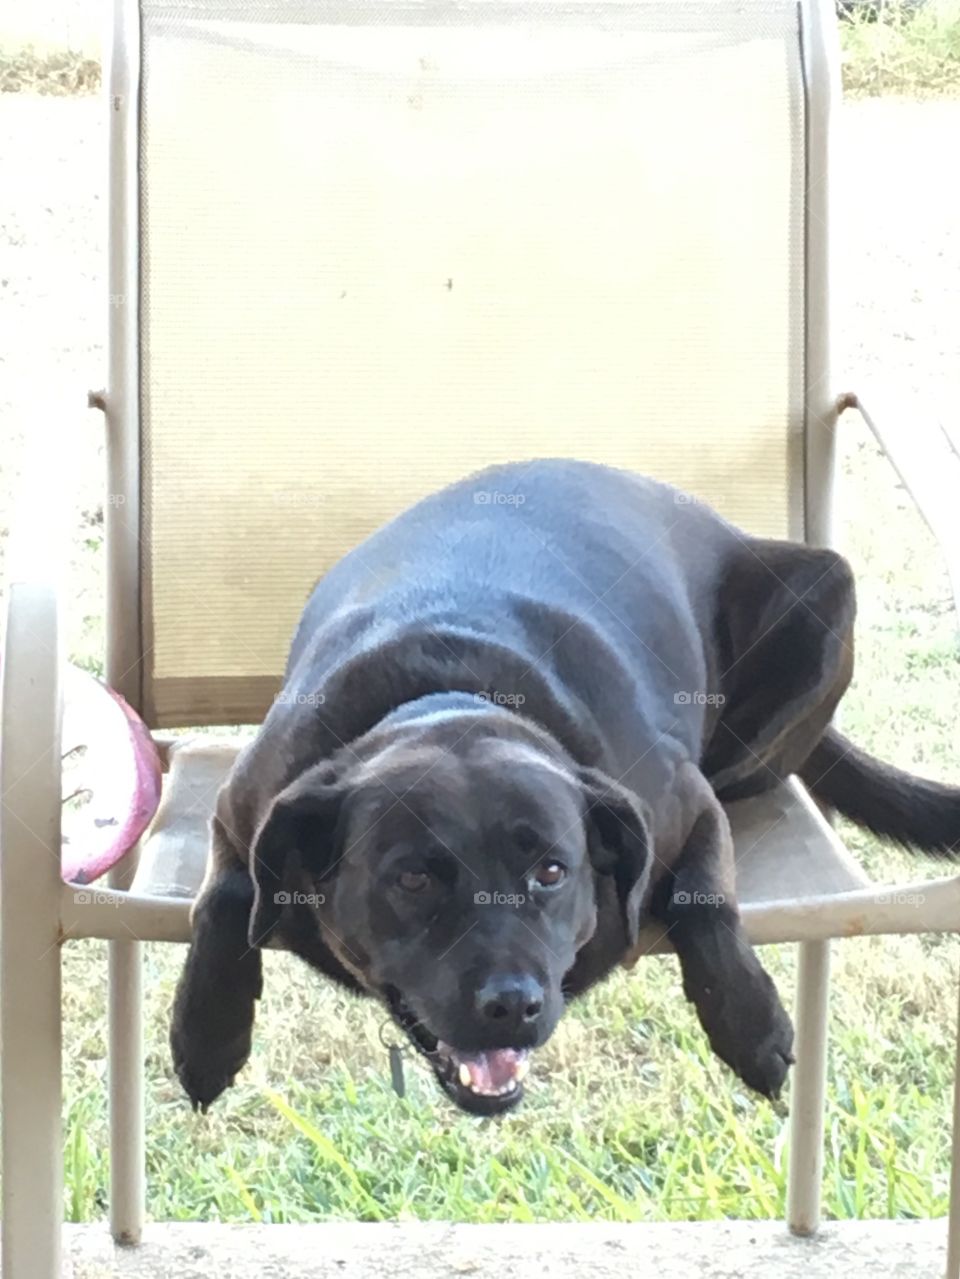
[549, 873]
[413, 881]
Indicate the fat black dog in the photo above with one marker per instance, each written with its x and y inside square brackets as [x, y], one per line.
[509, 722]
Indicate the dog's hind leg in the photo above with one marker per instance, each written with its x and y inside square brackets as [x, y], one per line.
[784, 649]
[213, 1011]
[735, 998]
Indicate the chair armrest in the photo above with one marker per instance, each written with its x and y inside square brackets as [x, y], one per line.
[924, 906]
[117, 915]
[929, 468]
[30, 712]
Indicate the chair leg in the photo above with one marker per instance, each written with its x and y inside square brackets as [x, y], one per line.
[127, 1159]
[953, 1235]
[30, 889]
[809, 1088]
[30, 1032]
[30, 1098]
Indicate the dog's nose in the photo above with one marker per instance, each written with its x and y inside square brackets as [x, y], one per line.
[510, 1001]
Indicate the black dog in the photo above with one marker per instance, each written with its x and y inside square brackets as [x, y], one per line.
[508, 723]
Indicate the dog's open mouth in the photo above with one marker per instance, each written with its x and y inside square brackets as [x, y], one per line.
[498, 1072]
[487, 1082]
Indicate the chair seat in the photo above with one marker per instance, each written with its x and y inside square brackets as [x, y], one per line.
[173, 854]
[785, 849]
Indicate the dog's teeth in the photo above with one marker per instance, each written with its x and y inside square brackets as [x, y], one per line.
[484, 1086]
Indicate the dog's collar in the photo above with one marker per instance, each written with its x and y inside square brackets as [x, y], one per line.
[450, 702]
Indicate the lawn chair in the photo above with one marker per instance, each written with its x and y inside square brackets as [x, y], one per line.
[357, 251]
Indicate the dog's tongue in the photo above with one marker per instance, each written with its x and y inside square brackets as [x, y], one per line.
[496, 1071]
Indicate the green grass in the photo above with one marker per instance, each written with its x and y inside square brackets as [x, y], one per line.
[907, 51]
[628, 1116]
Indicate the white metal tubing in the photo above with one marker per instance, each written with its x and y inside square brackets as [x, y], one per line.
[124, 648]
[30, 1067]
[127, 1155]
[107, 912]
[953, 1235]
[821, 63]
[928, 468]
[808, 1089]
[928, 906]
[127, 1125]
[122, 400]
[821, 69]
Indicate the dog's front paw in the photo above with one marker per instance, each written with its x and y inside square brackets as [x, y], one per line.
[764, 1059]
[206, 1073]
[750, 1030]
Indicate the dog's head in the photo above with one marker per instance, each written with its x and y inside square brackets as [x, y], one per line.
[450, 865]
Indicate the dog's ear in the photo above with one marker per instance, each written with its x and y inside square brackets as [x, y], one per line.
[619, 841]
[302, 820]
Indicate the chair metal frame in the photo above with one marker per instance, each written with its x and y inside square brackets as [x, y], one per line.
[39, 912]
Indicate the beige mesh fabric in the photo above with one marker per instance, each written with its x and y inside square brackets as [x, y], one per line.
[386, 245]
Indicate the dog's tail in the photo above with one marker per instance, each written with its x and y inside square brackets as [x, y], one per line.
[911, 810]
